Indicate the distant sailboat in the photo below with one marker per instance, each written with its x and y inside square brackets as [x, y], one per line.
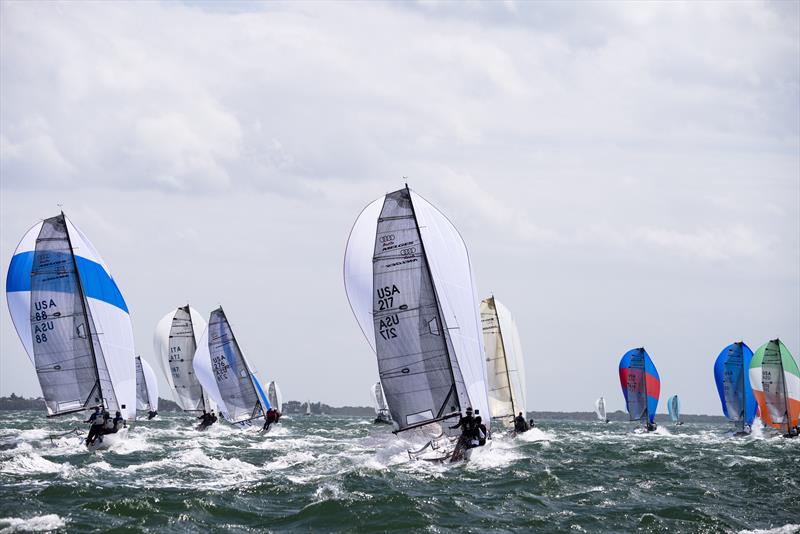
[175, 341]
[775, 378]
[382, 414]
[274, 396]
[146, 388]
[674, 409]
[409, 282]
[73, 322]
[308, 407]
[225, 374]
[641, 386]
[600, 410]
[505, 365]
[732, 376]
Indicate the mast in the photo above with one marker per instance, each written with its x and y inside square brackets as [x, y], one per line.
[441, 315]
[194, 337]
[644, 384]
[505, 357]
[744, 395]
[785, 394]
[89, 333]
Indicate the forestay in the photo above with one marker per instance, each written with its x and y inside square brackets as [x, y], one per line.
[409, 282]
[175, 341]
[732, 377]
[72, 320]
[146, 386]
[225, 374]
[505, 370]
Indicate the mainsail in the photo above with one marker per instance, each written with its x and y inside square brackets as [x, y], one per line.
[225, 374]
[379, 401]
[732, 376]
[408, 278]
[505, 369]
[641, 385]
[674, 408]
[274, 396]
[775, 378]
[72, 320]
[175, 342]
[600, 409]
[146, 386]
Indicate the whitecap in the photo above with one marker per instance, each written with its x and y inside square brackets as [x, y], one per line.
[785, 529]
[31, 463]
[39, 523]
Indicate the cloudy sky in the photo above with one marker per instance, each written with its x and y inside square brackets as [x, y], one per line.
[623, 174]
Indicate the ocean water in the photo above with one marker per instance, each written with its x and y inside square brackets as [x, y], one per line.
[346, 474]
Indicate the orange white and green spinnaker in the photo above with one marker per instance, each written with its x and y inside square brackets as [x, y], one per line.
[775, 379]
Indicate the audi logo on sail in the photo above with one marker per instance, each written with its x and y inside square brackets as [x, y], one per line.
[408, 251]
[387, 238]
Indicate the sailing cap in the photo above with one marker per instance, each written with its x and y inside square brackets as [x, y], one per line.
[469, 409]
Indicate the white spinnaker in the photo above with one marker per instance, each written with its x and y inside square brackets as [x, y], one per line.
[161, 346]
[205, 374]
[600, 408]
[112, 323]
[358, 267]
[151, 382]
[452, 277]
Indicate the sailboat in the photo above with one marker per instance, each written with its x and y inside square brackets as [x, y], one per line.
[175, 341]
[505, 366]
[73, 322]
[641, 387]
[382, 414]
[146, 388]
[674, 409]
[308, 408]
[775, 378]
[600, 410]
[408, 278]
[274, 396]
[732, 376]
[225, 374]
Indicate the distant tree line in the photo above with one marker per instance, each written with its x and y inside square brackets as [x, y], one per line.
[15, 402]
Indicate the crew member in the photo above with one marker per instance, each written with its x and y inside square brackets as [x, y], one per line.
[97, 421]
[520, 425]
[119, 422]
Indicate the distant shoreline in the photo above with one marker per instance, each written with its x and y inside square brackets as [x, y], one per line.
[15, 402]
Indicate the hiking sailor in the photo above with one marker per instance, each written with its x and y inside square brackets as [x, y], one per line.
[520, 425]
[98, 421]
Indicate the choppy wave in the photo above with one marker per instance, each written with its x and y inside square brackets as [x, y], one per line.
[333, 473]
